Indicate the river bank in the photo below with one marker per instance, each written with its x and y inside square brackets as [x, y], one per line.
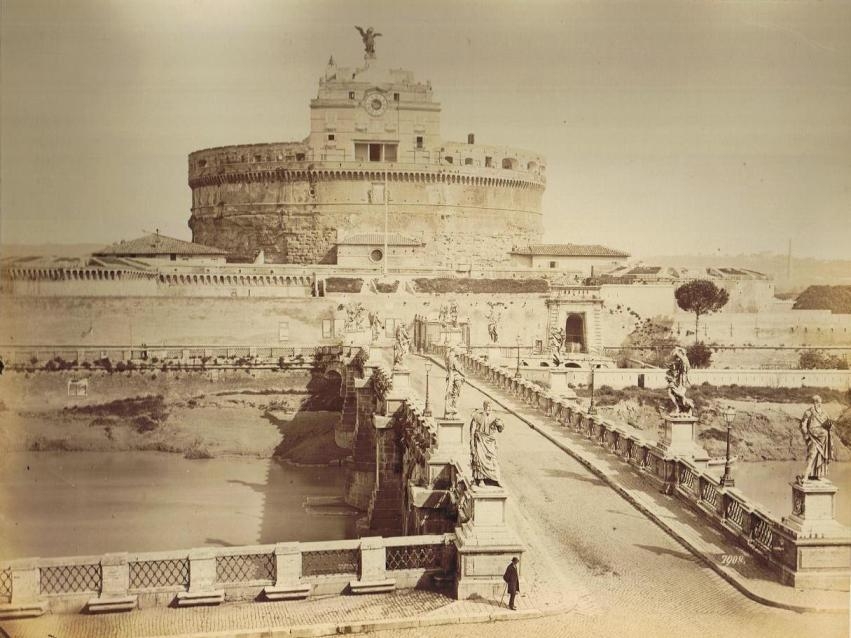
[288, 416]
[766, 426]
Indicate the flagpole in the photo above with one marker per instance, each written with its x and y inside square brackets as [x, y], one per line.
[386, 216]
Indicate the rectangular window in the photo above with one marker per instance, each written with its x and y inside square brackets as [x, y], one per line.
[419, 141]
[327, 328]
[283, 331]
[351, 95]
[331, 137]
[488, 162]
[361, 152]
[375, 152]
[395, 97]
[553, 264]
[390, 152]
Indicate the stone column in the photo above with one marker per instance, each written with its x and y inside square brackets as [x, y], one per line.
[26, 591]
[202, 580]
[288, 585]
[373, 574]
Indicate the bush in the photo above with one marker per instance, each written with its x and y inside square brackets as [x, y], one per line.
[385, 286]
[837, 299]
[464, 285]
[197, 451]
[699, 355]
[144, 423]
[343, 284]
[104, 363]
[818, 360]
[120, 366]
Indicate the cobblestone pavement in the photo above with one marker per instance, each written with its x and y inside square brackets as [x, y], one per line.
[258, 617]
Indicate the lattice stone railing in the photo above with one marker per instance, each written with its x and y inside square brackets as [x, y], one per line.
[414, 557]
[327, 562]
[6, 584]
[327, 567]
[70, 579]
[246, 567]
[156, 574]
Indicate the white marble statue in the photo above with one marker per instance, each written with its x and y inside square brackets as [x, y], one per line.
[454, 381]
[815, 428]
[484, 426]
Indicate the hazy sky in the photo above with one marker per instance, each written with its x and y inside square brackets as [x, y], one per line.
[669, 127]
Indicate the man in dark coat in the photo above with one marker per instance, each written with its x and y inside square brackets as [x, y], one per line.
[512, 581]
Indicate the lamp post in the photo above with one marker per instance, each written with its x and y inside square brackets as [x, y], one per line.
[427, 411]
[729, 416]
[517, 374]
[592, 409]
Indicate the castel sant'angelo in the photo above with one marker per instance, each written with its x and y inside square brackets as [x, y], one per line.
[370, 126]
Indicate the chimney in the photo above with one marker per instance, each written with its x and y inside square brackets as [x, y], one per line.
[471, 138]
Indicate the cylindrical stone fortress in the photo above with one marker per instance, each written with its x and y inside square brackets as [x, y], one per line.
[467, 203]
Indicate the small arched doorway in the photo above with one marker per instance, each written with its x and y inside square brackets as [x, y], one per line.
[574, 333]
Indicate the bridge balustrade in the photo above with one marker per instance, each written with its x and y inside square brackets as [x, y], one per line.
[754, 529]
[68, 584]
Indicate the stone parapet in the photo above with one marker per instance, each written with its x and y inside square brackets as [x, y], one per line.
[211, 575]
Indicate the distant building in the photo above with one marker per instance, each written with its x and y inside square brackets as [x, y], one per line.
[588, 259]
[161, 248]
[366, 250]
[649, 289]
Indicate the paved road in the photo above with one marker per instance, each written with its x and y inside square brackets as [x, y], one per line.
[628, 575]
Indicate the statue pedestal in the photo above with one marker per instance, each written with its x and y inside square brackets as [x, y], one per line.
[399, 391]
[814, 510]
[816, 549]
[485, 545]
[678, 438]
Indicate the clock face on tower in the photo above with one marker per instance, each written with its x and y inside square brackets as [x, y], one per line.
[374, 103]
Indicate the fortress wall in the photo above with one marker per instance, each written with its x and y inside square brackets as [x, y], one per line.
[296, 213]
[118, 321]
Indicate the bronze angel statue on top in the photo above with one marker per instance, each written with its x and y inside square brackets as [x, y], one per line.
[368, 38]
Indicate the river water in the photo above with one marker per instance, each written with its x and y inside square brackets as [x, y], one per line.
[61, 504]
[78, 503]
[767, 483]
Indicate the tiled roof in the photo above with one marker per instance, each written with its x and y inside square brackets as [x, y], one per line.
[156, 244]
[570, 250]
[657, 273]
[377, 239]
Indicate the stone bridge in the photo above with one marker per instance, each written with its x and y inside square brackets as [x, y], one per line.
[426, 524]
